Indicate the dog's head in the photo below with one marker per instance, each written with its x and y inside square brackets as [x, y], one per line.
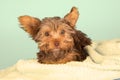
[54, 34]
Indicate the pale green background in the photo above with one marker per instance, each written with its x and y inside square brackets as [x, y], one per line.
[99, 19]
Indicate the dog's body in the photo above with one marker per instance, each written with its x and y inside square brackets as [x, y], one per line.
[57, 38]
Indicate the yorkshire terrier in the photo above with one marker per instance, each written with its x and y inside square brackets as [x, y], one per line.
[57, 38]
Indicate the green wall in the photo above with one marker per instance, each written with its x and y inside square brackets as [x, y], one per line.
[99, 19]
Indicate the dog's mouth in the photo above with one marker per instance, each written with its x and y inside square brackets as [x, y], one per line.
[57, 53]
[56, 50]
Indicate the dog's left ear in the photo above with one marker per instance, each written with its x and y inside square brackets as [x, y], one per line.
[72, 16]
[30, 24]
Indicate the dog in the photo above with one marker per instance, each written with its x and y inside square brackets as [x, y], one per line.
[57, 38]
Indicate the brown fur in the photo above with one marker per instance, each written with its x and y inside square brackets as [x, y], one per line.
[57, 38]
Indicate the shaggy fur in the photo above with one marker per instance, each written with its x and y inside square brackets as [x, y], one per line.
[57, 38]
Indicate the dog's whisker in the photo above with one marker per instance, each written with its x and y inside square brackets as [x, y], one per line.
[68, 40]
[41, 44]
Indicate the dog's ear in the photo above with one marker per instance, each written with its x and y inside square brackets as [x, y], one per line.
[30, 24]
[72, 16]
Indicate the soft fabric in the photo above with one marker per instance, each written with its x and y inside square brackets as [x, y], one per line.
[105, 51]
[98, 66]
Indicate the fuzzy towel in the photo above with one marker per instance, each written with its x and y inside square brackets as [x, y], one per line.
[100, 65]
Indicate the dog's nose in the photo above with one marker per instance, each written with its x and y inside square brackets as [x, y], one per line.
[56, 43]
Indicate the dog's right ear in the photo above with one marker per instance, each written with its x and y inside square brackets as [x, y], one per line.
[72, 16]
[30, 24]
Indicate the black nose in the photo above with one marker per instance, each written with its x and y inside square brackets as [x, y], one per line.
[56, 43]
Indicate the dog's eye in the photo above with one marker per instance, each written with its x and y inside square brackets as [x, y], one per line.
[46, 33]
[62, 32]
